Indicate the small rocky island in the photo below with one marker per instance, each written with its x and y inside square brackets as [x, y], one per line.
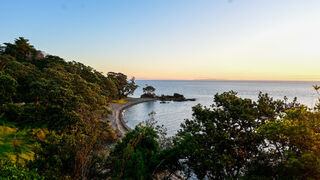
[148, 92]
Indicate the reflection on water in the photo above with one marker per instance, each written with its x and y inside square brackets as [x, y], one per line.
[146, 107]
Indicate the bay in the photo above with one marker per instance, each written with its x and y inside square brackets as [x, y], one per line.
[172, 114]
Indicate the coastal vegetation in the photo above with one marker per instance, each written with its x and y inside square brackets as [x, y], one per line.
[51, 127]
[51, 110]
[235, 138]
[149, 92]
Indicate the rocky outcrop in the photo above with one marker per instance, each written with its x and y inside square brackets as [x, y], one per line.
[163, 98]
[175, 97]
[148, 95]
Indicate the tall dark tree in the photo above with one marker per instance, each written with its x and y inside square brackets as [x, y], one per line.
[21, 49]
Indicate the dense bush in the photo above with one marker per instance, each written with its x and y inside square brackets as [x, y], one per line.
[67, 98]
[10, 171]
[139, 155]
[223, 142]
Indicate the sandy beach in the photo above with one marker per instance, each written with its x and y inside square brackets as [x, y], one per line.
[116, 118]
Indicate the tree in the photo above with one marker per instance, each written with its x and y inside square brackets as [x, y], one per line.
[21, 49]
[294, 144]
[24, 74]
[124, 86]
[4, 60]
[139, 155]
[149, 90]
[54, 156]
[133, 157]
[69, 99]
[8, 87]
[223, 142]
[10, 171]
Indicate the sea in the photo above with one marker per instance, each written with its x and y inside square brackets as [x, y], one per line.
[172, 114]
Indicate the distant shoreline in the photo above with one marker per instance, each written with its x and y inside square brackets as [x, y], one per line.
[228, 80]
[116, 118]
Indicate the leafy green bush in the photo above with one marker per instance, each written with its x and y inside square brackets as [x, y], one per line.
[9, 171]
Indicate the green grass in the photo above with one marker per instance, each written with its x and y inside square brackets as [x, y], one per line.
[10, 137]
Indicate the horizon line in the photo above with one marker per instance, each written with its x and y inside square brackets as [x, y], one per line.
[146, 79]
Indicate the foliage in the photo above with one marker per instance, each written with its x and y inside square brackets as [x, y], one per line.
[124, 86]
[133, 156]
[4, 60]
[138, 154]
[55, 155]
[68, 99]
[10, 171]
[149, 90]
[71, 154]
[22, 50]
[54, 108]
[294, 141]
[15, 144]
[8, 87]
[68, 91]
[223, 142]
[234, 139]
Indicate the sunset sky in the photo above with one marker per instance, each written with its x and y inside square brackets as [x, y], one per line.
[175, 39]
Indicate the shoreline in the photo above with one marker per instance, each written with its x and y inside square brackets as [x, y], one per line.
[116, 118]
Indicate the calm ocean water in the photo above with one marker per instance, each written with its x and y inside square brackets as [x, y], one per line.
[173, 113]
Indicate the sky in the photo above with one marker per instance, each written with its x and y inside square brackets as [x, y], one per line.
[175, 39]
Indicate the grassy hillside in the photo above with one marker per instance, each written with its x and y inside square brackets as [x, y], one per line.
[14, 140]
